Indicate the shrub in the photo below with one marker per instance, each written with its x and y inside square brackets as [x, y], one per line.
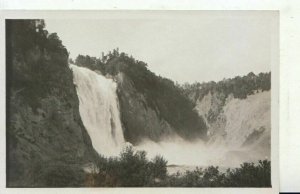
[133, 169]
[56, 174]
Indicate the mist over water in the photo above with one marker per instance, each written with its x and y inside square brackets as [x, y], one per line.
[181, 152]
[198, 153]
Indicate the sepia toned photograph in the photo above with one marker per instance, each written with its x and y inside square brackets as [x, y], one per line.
[141, 99]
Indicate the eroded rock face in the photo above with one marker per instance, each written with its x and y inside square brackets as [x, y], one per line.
[139, 120]
[239, 123]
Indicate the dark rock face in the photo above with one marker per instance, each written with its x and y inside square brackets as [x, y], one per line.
[46, 140]
[151, 106]
[50, 135]
[138, 118]
[145, 115]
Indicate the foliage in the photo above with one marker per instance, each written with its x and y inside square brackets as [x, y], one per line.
[38, 80]
[239, 86]
[130, 169]
[133, 169]
[36, 60]
[247, 175]
[250, 175]
[86, 61]
[56, 174]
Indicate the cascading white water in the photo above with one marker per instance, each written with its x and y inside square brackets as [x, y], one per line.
[98, 108]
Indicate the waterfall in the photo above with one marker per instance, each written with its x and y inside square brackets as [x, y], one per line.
[98, 108]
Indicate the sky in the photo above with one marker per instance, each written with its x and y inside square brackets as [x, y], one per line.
[185, 46]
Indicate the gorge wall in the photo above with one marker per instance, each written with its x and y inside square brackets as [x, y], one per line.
[238, 121]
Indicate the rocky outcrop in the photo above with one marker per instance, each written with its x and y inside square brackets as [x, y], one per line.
[38, 139]
[239, 124]
[139, 120]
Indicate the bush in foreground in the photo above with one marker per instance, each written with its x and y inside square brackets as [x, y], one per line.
[133, 169]
[247, 175]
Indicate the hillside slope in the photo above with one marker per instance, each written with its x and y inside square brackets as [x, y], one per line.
[46, 141]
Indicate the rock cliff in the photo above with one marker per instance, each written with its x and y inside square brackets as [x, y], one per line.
[139, 120]
[241, 123]
[46, 141]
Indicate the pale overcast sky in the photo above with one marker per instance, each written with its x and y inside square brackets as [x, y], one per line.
[183, 46]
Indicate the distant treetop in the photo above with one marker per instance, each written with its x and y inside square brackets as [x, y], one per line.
[239, 87]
